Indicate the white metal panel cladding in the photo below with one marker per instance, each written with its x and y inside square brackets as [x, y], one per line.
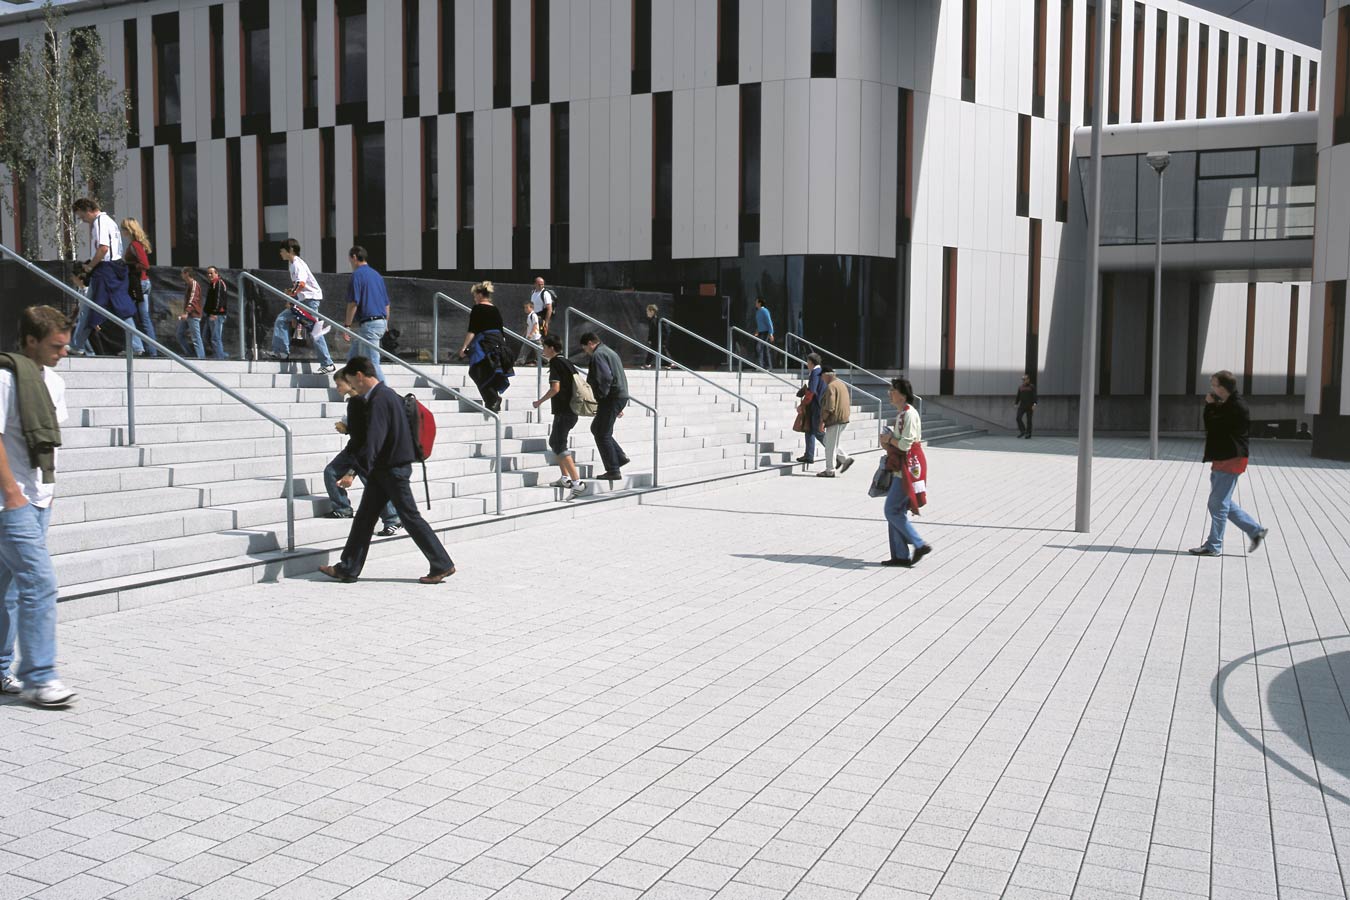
[503, 191]
[409, 180]
[344, 199]
[772, 150]
[750, 48]
[847, 140]
[728, 205]
[447, 193]
[325, 35]
[578, 157]
[705, 173]
[541, 176]
[598, 209]
[640, 179]
[620, 148]
[682, 175]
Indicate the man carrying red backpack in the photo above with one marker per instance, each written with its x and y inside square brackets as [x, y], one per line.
[385, 460]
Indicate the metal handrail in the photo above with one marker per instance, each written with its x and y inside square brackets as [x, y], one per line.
[806, 365]
[567, 333]
[107, 315]
[656, 442]
[386, 355]
[436, 330]
[853, 367]
[731, 356]
[733, 330]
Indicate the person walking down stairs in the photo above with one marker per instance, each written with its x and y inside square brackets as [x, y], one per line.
[32, 408]
[835, 405]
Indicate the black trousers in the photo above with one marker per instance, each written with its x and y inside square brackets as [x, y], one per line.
[1024, 417]
[390, 486]
[602, 427]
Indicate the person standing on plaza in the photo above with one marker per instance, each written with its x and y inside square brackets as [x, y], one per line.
[763, 331]
[106, 273]
[353, 425]
[561, 386]
[653, 332]
[490, 363]
[367, 308]
[216, 310]
[607, 379]
[835, 406]
[190, 322]
[32, 408]
[385, 459]
[1025, 401]
[137, 258]
[542, 301]
[907, 434]
[810, 407]
[305, 289]
[529, 350]
[1227, 423]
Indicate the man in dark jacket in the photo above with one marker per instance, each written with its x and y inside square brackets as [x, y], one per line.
[1025, 401]
[607, 379]
[1227, 421]
[385, 459]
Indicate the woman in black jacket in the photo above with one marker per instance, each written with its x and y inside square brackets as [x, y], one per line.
[491, 365]
[1227, 422]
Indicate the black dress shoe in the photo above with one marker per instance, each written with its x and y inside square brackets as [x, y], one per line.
[337, 573]
[805, 459]
[902, 563]
[611, 476]
[623, 462]
[921, 552]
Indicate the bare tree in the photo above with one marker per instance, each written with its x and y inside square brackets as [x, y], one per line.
[63, 127]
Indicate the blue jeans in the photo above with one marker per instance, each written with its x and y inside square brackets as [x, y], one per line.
[1223, 510]
[281, 334]
[28, 586]
[901, 531]
[371, 331]
[84, 327]
[215, 332]
[762, 351]
[340, 465]
[191, 328]
[144, 319]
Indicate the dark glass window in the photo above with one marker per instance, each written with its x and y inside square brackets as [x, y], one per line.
[431, 188]
[663, 177]
[1113, 83]
[272, 167]
[824, 34]
[148, 191]
[728, 41]
[1160, 69]
[464, 154]
[234, 221]
[256, 42]
[411, 61]
[1183, 61]
[1062, 175]
[352, 51]
[309, 22]
[1296, 87]
[1242, 77]
[642, 47]
[1277, 101]
[1333, 339]
[539, 51]
[1023, 165]
[1065, 58]
[501, 53]
[1033, 352]
[183, 200]
[446, 56]
[1221, 94]
[132, 75]
[947, 375]
[1260, 79]
[1038, 59]
[216, 26]
[327, 185]
[969, 48]
[1202, 75]
[1312, 85]
[520, 164]
[370, 180]
[1089, 60]
[750, 162]
[1137, 81]
[168, 74]
[904, 181]
[559, 169]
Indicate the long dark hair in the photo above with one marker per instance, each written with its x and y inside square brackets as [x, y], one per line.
[903, 386]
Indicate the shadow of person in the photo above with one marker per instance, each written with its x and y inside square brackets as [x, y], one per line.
[1111, 548]
[810, 559]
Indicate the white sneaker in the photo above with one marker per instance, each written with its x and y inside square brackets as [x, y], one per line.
[563, 482]
[52, 694]
[10, 685]
[578, 488]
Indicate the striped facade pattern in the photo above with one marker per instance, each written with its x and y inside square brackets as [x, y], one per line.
[832, 177]
[1327, 361]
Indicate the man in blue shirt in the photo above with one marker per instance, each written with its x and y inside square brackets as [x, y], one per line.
[764, 330]
[367, 309]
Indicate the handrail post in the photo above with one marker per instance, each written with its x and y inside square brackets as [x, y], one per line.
[131, 389]
[656, 365]
[239, 289]
[435, 332]
[740, 370]
[757, 441]
[656, 448]
[499, 465]
[290, 494]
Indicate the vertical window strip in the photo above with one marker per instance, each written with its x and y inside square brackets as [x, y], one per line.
[1241, 101]
[728, 41]
[1023, 165]
[1064, 162]
[1260, 79]
[1202, 74]
[641, 77]
[1137, 81]
[1221, 95]
[1160, 68]
[1341, 109]
[1296, 85]
[1291, 366]
[1033, 346]
[1065, 59]
[1038, 59]
[1183, 62]
[1113, 88]
[969, 48]
[1089, 60]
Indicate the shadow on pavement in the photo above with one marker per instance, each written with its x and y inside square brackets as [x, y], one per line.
[1109, 548]
[812, 559]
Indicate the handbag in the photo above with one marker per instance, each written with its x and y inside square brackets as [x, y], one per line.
[881, 481]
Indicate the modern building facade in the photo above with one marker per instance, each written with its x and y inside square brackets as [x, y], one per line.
[895, 177]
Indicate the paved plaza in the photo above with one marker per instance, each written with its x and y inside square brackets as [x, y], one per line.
[722, 694]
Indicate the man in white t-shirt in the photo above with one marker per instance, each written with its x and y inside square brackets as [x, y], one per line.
[305, 289]
[542, 301]
[106, 273]
[27, 484]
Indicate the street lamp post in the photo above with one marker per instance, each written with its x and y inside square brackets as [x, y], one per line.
[1158, 160]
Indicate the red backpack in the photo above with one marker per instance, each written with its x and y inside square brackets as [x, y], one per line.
[423, 426]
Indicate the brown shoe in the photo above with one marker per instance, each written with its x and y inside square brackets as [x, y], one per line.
[437, 577]
[337, 574]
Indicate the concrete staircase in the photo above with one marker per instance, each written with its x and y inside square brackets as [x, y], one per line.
[200, 497]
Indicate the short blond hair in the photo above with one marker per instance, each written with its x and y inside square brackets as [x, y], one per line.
[652, 307]
[483, 289]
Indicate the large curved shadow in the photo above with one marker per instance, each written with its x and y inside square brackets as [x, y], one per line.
[1306, 704]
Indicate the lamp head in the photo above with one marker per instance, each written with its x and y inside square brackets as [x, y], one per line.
[1159, 159]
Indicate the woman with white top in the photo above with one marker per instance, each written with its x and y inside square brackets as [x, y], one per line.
[908, 431]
